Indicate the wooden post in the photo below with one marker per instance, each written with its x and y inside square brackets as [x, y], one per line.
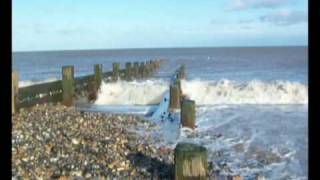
[115, 71]
[182, 72]
[136, 69]
[15, 92]
[174, 97]
[177, 82]
[68, 85]
[188, 113]
[142, 70]
[128, 72]
[145, 69]
[95, 84]
[190, 161]
[98, 76]
[151, 66]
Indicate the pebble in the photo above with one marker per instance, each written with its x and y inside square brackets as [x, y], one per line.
[58, 142]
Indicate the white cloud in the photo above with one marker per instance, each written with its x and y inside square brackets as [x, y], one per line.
[253, 4]
[285, 17]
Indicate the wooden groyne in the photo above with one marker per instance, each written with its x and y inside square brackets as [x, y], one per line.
[70, 89]
[190, 160]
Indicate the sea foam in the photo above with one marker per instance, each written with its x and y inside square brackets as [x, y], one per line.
[206, 92]
[33, 82]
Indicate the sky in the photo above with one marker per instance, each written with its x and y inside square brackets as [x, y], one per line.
[104, 24]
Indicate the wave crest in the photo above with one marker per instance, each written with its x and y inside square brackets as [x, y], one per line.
[206, 92]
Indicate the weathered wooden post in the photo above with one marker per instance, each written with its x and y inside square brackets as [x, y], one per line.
[174, 98]
[188, 113]
[98, 73]
[115, 71]
[182, 72]
[146, 69]
[142, 70]
[190, 161]
[95, 83]
[136, 69]
[151, 66]
[128, 71]
[177, 82]
[68, 85]
[15, 91]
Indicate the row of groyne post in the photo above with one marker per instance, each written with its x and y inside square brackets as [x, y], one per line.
[190, 159]
[70, 89]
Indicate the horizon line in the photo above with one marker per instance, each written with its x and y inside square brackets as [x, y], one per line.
[142, 48]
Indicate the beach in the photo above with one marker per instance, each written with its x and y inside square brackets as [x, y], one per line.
[54, 141]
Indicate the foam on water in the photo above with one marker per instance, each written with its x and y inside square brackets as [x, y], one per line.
[253, 92]
[255, 138]
[134, 93]
[206, 92]
[33, 82]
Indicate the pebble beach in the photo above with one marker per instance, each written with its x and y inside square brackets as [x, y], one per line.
[59, 142]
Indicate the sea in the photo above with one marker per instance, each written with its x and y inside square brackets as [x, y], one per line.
[251, 102]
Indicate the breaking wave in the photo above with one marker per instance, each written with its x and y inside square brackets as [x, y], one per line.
[206, 92]
[33, 82]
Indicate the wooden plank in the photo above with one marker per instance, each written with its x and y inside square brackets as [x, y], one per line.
[34, 90]
[46, 99]
[15, 92]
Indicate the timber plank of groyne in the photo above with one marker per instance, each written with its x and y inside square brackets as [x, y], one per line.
[34, 91]
[54, 98]
[15, 91]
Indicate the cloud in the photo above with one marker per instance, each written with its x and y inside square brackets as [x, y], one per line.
[253, 4]
[285, 17]
[245, 21]
[69, 31]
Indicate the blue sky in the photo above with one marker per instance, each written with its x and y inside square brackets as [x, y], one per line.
[103, 24]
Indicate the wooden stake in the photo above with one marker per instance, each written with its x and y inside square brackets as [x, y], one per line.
[98, 73]
[188, 113]
[128, 71]
[174, 97]
[115, 71]
[142, 70]
[136, 69]
[15, 92]
[68, 85]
